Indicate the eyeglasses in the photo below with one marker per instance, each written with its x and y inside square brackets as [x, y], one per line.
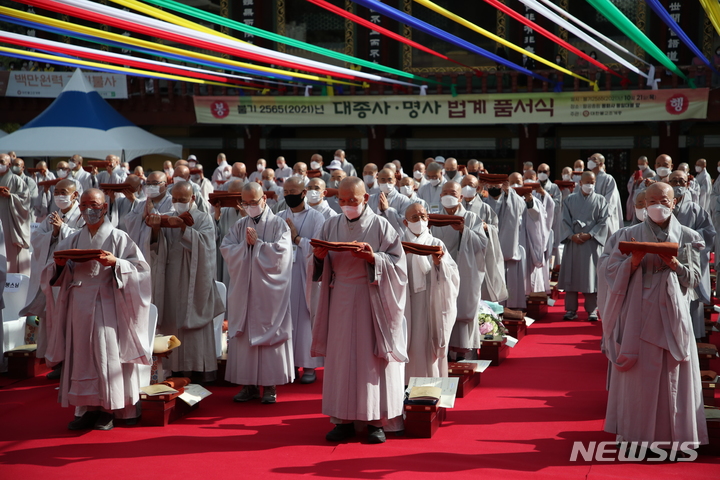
[417, 218]
[254, 203]
[679, 182]
[154, 183]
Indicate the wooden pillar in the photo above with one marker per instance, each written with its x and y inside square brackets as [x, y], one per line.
[669, 138]
[527, 148]
[251, 152]
[376, 145]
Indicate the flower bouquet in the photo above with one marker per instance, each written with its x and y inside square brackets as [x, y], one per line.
[490, 325]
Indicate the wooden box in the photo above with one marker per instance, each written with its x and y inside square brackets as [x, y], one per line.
[495, 350]
[537, 309]
[708, 391]
[706, 352]
[159, 410]
[516, 328]
[468, 378]
[422, 421]
[24, 364]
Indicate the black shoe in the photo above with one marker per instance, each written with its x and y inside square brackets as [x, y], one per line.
[593, 317]
[341, 432]
[269, 395]
[86, 422]
[104, 421]
[54, 375]
[376, 434]
[248, 392]
[570, 316]
[308, 377]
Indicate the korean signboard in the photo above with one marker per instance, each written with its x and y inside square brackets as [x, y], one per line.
[50, 84]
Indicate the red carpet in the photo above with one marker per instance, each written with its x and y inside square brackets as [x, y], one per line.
[520, 423]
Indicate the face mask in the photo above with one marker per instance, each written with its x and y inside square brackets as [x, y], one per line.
[679, 191]
[333, 184]
[181, 208]
[72, 165]
[407, 190]
[567, 177]
[268, 184]
[494, 191]
[254, 210]
[315, 165]
[312, 196]
[227, 174]
[698, 169]
[281, 165]
[641, 214]
[419, 227]
[368, 179]
[528, 180]
[192, 164]
[386, 188]
[577, 169]
[642, 167]
[663, 171]
[591, 164]
[62, 201]
[542, 177]
[92, 215]
[475, 174]
[588, 188]
[434, 182]
[151, 191]
[418, 175]
[515, 185]
[468, 191]
[168, 171]
[451, 173]
[16, 170]
[62, 173]
[298, 175]
[352, 212]
[337, 158]
[658, 213]
[449, 201]
[124, 169]
[259, 167]
[195, 178]
[294, 200]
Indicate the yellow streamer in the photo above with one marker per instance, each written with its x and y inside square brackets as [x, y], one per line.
[105, 66]
[445, 13]
[156, 46]
[712, 9]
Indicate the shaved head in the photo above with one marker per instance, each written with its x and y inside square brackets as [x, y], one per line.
[65, 187]
[182, 189]
[252, 188]
[235, 186]
[134, 181]
[414, 210]
[93, 195]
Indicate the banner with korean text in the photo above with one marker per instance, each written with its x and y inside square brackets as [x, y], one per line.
[541, 107]
[42, 84]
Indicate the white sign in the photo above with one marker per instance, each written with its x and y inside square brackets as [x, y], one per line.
[50, 84]
[12, 282]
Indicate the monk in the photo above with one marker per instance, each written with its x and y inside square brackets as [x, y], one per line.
[388, 202]
[315, 197]
[359, 326]
[430, 192]
[113, 172]
[98, 325]
[225, 218]
[336, 177]
[15, 217]
[87, 180]
[370, 174]
[258, 254]
[222, 173]
[654, 387]
[157, 201]
[606, 186]
[184, 291]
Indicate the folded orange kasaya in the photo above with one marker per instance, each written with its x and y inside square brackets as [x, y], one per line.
[513, 314]
[337, 246]
[563, 184]
[314, 174]
[98, 163]
[116, 187]
[424, 250]
[32, 170]
[49, 183]
[79, 254]
[225, 199]
[439, 220]
[331, 192]
[176, 382]
[660, 248]
[165, 222]
[522, 191]
[492, 178]
[531, 184]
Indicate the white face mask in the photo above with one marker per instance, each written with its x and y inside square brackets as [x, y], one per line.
[641, 214]
[192, 164]
[337, 158]
[567, 177]
[418, 175]
[72, 165]
[468, 191]
[577, 169]
[268, 184]
[259, 167]
[419, 227]
[386, 188]
[434, 182]
[528, 180]
[3, 169]
[591, 164]
[698, 169]
[642, 167]
[313, 196]
[663, 171]
[407, 190]
[168, 171]
[62, 201]
[195, 177]
[543, 177]
[588, 188]
[449, 201]
[315, 165]
[658, 213]
[181, 208]
[281, 165]
[254, 210]
[718, 169]
[352, 212]
[60, 173]
[368, 179]
[151, 191]
[333, 184]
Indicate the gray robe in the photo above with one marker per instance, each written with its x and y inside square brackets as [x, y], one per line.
[15, 218]
[431, 195]
[135, 221]
[605, 185]
[85, 179]
[654, 388]
[35, 197]
[634, 189]
[395, 213]
[228, 217]
[324, 208]
[582, 214]
[704, 184]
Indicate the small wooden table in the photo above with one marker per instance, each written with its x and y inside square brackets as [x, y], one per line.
[422, 421]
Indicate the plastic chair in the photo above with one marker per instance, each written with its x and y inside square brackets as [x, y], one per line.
[220, 340]
[15, 297]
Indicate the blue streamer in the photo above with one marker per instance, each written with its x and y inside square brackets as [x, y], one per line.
[673, 25]
[436, 32]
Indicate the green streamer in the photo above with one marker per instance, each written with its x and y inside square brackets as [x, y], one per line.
[612, 13]
[258, 32]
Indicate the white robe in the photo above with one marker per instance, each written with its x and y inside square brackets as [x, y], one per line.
[605, 185]
[228, 217]
[431, 195]
[135, 221]
[704, 183]
[15, 217]
[535, 238]
[324, 208]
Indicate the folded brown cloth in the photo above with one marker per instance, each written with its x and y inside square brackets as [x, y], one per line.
[708, 375]
[531, 184]
[88, 169]
[314, 174]
[270, 194]
[176, 382]
[439, 220]
[32, 170]
[337, 246]
[78, 254]
[417, 249]
[98, 163]
[331, 192]
[116, 187]
[492, 178]
[225, 199]
[659, 248]
[195, 171]
[563, 184]
[707, 349]
[165, 222]
[513, 314]
[522, 191]
[49, 183]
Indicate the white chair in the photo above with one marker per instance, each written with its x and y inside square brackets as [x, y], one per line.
[145, 371]
[15, 297]
[220, 339]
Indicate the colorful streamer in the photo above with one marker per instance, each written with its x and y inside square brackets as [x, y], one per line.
[436, 32]
[226, 22]
[612, 13]
[447, 14]
[712, 9]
